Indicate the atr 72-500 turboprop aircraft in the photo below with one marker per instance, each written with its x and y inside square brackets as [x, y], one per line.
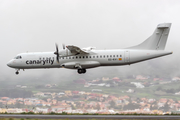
[73, 57]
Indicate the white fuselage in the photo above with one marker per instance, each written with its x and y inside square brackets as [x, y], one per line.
[95, 58]
[73, 57]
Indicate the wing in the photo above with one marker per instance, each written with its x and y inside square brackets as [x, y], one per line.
[76, 50]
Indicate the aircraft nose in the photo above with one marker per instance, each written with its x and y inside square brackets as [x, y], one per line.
[9, 63]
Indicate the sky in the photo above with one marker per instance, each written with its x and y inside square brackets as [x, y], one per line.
[36, 25]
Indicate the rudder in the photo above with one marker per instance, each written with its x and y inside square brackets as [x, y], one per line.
[157, 41]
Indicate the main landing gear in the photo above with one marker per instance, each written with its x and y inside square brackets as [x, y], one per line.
[80, 71]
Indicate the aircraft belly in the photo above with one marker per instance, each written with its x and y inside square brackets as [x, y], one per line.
[81, 64]
[138, 56]
[38, 66]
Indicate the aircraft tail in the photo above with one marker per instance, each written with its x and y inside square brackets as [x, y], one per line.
[157, 41]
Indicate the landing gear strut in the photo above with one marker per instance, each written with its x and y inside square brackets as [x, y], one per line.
[80, 71]
[17, 71]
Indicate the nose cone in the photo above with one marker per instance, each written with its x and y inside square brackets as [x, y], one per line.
[10, 63]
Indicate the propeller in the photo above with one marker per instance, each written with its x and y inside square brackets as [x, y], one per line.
[57, 53]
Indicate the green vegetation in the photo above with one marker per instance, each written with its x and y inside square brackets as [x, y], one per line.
[153, 89]
[156, 91]
[81, 119]
[73, 119]
[65, 113]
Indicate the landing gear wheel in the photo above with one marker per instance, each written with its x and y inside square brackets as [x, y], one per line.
[80, 71]
[17, 72]
[84, 70]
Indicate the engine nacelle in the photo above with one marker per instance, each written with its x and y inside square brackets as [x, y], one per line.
[65, 53]
[84, 64]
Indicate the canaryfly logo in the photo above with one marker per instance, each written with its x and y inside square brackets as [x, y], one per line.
[43, 62]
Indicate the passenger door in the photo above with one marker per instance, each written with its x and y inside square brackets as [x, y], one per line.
[127, 56]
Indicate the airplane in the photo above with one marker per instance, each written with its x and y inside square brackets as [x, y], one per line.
[73, 57]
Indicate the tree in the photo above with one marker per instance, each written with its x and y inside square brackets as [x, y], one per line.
[18, 105]
[166, 107]
[98, 106]
[73, 107]
[112, 104]
[1, 105]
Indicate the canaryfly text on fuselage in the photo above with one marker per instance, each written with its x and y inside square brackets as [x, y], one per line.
[43, 62]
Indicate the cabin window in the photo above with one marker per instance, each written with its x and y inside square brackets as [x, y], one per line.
[100, 56]
[83, 56]
[80, 57]
[107, 56]
[97, 56]
[62, 57]
[117, 55]
[110, 55]
[76, 57]
[104, 56]
[69, 57]
[114, 56]
[120, 55]
[89, 56]
[72, 57]
[86, 56]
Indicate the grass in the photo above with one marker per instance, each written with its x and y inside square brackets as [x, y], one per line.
[71, 119]
[65, 113]
[75, 119]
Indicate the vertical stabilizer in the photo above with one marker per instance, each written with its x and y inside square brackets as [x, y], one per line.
[157, 41]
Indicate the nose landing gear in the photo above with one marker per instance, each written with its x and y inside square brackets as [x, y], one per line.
[80, 71]
[17, 72]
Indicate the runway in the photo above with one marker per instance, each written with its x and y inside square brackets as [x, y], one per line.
[169, 117]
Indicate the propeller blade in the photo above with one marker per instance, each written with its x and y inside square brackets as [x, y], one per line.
[57, 53]
[57, 59]
[57, 50]
[63, 46]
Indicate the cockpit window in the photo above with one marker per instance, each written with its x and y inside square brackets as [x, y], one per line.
[18, 57]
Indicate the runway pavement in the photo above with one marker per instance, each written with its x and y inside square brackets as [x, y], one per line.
[169, 117]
